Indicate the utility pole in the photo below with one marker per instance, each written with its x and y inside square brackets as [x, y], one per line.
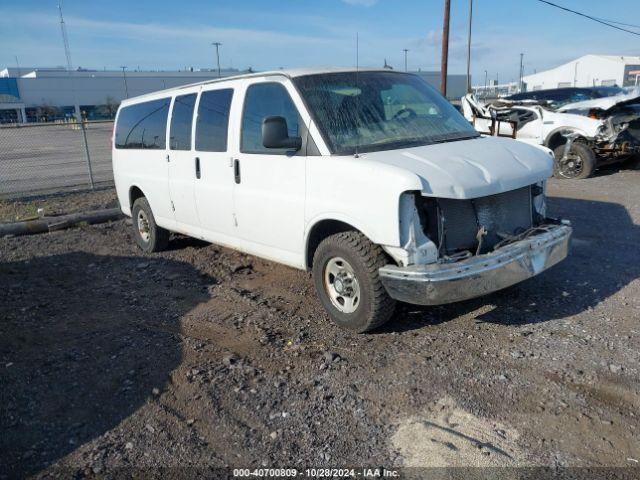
[76, 104]
[445, 48]
[67, 52]
[521, 70]
[406, 50]
[469, 47]
[486, 77]
[217, 45]
[124, 79]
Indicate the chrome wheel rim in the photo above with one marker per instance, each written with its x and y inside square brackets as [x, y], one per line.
[571, 166]
[143, 226]
[341, 285]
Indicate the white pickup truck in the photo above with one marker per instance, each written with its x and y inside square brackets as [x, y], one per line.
[370, 179]
[582, 135]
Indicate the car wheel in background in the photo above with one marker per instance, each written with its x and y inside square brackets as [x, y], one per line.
[580, 162]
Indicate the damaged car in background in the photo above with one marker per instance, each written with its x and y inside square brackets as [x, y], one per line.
[582, 135]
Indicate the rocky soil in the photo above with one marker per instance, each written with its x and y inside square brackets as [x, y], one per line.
[201, 357]
[74, 202]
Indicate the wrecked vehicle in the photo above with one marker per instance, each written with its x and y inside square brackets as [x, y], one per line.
[582, 135]
[369, 179]
[557, 97]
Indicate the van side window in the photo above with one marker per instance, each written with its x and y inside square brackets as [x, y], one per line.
[265, 100]
[213, 120]
[181, 121]
[143, 125]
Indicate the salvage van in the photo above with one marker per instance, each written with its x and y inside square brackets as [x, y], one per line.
[369, 179]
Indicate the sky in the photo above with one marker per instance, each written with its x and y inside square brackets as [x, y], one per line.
[271, 34]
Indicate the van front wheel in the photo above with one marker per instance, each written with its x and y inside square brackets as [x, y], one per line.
[149, 236]
[345, 274]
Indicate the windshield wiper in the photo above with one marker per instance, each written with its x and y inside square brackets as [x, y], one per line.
[455, 139]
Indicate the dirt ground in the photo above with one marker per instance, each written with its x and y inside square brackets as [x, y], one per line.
[201, 357]
[71, 202]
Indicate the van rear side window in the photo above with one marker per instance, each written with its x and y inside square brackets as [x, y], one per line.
[181, 121]
[213, 120]
[143, 125]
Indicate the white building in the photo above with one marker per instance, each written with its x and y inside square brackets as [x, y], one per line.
[46, 94]
[589, 71]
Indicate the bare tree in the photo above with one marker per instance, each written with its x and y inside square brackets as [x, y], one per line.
[108, 109]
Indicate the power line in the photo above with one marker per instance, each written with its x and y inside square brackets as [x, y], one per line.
[603, 22]
[619, 23]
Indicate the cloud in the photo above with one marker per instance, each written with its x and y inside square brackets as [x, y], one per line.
[97, 42]
[147, 31]
[364, 3]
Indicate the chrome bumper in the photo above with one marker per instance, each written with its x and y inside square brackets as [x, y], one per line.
[441, 283]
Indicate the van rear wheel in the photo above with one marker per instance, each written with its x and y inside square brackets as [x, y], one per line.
[149, 236]
[345, 274]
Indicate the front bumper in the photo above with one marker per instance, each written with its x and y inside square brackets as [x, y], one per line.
[442, 283]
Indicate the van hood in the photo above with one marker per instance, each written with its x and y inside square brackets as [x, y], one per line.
[471, 168]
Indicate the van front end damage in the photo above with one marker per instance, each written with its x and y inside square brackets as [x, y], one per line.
[442, 283]
[476, 246]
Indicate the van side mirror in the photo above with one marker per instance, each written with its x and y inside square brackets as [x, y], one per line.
[275, 134]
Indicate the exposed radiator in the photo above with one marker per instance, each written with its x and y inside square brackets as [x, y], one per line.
[505, 213]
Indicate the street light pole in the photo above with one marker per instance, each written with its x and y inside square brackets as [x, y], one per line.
[445, 48]
[469, 47]
[521, 66]
[406, 50]
[486, 76]
[124, 79]
[217, 45]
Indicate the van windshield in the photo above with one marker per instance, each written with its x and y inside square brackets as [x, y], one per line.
[372, 111]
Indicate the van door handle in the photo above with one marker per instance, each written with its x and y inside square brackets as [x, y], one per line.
[236, 170]
[197, 167]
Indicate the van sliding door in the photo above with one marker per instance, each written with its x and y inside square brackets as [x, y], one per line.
[214, 186]
[182, 167]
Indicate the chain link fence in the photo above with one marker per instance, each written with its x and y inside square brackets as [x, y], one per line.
[52, 157]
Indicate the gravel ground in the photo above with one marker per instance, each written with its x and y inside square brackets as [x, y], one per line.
[74, 202]
[204, 357]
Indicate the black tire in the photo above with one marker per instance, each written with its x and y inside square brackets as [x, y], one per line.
[581, 163]
[633, 162]
[157, 238]
[375, 306]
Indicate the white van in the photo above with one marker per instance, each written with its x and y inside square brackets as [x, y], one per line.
[370, 179]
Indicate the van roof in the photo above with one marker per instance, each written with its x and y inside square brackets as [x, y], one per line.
[289, 73]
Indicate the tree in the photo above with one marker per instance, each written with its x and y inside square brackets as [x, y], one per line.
[48, 113]
[111, 106]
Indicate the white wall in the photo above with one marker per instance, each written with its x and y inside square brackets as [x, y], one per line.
[586, 71]
[57, 91]
[54, 86]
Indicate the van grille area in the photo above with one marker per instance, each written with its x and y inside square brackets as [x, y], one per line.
[457, 222]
